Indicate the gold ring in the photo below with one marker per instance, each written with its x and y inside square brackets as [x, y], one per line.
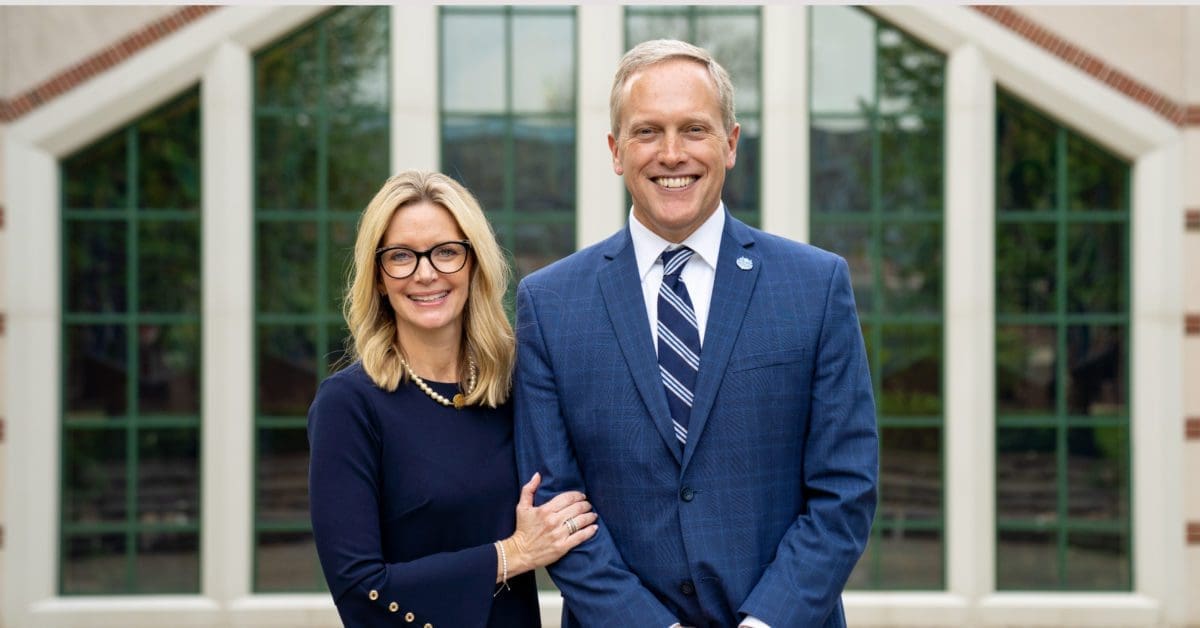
[571, 527]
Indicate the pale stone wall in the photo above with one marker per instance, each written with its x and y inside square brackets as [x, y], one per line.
[38, 42]
[1146, 42]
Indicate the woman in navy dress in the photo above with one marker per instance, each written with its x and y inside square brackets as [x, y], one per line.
[417, 511]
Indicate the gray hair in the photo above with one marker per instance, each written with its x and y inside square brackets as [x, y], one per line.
[655, 51]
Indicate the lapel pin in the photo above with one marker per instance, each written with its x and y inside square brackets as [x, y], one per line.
[745, 263]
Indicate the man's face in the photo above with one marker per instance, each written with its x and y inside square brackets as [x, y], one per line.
[673, 149]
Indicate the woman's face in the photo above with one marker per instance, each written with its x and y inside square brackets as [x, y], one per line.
[427, 301]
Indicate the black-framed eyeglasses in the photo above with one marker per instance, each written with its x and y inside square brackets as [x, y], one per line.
[400, 262]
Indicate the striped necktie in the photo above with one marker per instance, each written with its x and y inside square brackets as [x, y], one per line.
[678, 340]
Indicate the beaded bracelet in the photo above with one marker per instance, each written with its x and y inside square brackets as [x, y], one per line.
[503, 569]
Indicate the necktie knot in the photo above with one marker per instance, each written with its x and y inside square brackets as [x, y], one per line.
[674, 260]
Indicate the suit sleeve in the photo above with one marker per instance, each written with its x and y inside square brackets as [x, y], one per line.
[443, 589]
[597, 585]
[804, 582]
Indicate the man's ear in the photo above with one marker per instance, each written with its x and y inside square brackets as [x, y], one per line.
[616, 156]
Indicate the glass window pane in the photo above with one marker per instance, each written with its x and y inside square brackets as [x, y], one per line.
[287, 369]
[538, 245]
[1026, 268]
[1098, 473]
[1096, 180]
[287, 267]
[286, 561]
[1025, 475]
[1026, 369]
[335, 351]
[94, 564]
[911, 371]
[169, 156]
[168, 476]
[96, 371]
[1025, 166]
[95, 277]
[910, 559]
[544, 152]
[911, 76]
[646, 23]
[1096, 363]
[282, 479]
[853, 242]
[1098, 561]
[358, 58]
[474, 153]
[910, 475]
[340, 261]
[94, 484]
[169, 369]
[1096, 263]
[168, 562]
[169, 266]
[843, 60]
[911, 268]
[912, 166]
[1026, 561]
[473, 62]
[288, 73]
[741, 183]
[733, 40]
[544, 51]
[97, 178]
[286, 165]
[841, 165]
[359, 148]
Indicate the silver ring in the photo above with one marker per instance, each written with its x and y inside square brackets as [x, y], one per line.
[571, 527]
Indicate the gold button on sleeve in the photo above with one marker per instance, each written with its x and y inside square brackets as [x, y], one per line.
[428, 625]
[374, 595]
[409, 617]
[393, 607]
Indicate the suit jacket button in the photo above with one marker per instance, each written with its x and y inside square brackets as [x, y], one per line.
[374, 595]
[393, 607]
[428, 625]
[686, 494]
[687, 588]
[409, 617]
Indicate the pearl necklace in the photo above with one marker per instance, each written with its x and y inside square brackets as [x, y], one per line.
[459, 400]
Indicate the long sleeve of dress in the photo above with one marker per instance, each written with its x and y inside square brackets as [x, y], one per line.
[443, 588]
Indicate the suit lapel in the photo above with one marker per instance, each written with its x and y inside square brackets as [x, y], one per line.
[622, 290]
[732, 286]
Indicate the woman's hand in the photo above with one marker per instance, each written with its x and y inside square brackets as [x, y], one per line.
[544, 533]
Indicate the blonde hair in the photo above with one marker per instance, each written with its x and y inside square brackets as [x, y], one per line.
[655, 51]
[487, 334]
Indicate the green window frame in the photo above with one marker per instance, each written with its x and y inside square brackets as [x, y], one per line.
[877, 153]
[1063, 488]
[129, 516]
[508, 122]
[733, 35]
[322, 131]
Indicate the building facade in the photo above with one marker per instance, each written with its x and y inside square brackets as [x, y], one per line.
[1012, 187]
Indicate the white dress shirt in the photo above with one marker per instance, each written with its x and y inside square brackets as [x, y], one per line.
[697, 274]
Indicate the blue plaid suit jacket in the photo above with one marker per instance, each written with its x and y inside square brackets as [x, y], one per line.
[769, 506]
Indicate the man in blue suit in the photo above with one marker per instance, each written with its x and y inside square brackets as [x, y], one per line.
[705, 384]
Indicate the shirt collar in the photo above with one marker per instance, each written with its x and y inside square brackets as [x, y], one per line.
[705, 241]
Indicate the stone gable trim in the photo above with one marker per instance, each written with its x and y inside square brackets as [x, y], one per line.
[72, 77]
[1178, 114]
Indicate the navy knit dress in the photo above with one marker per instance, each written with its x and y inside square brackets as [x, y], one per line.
[407, 497]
